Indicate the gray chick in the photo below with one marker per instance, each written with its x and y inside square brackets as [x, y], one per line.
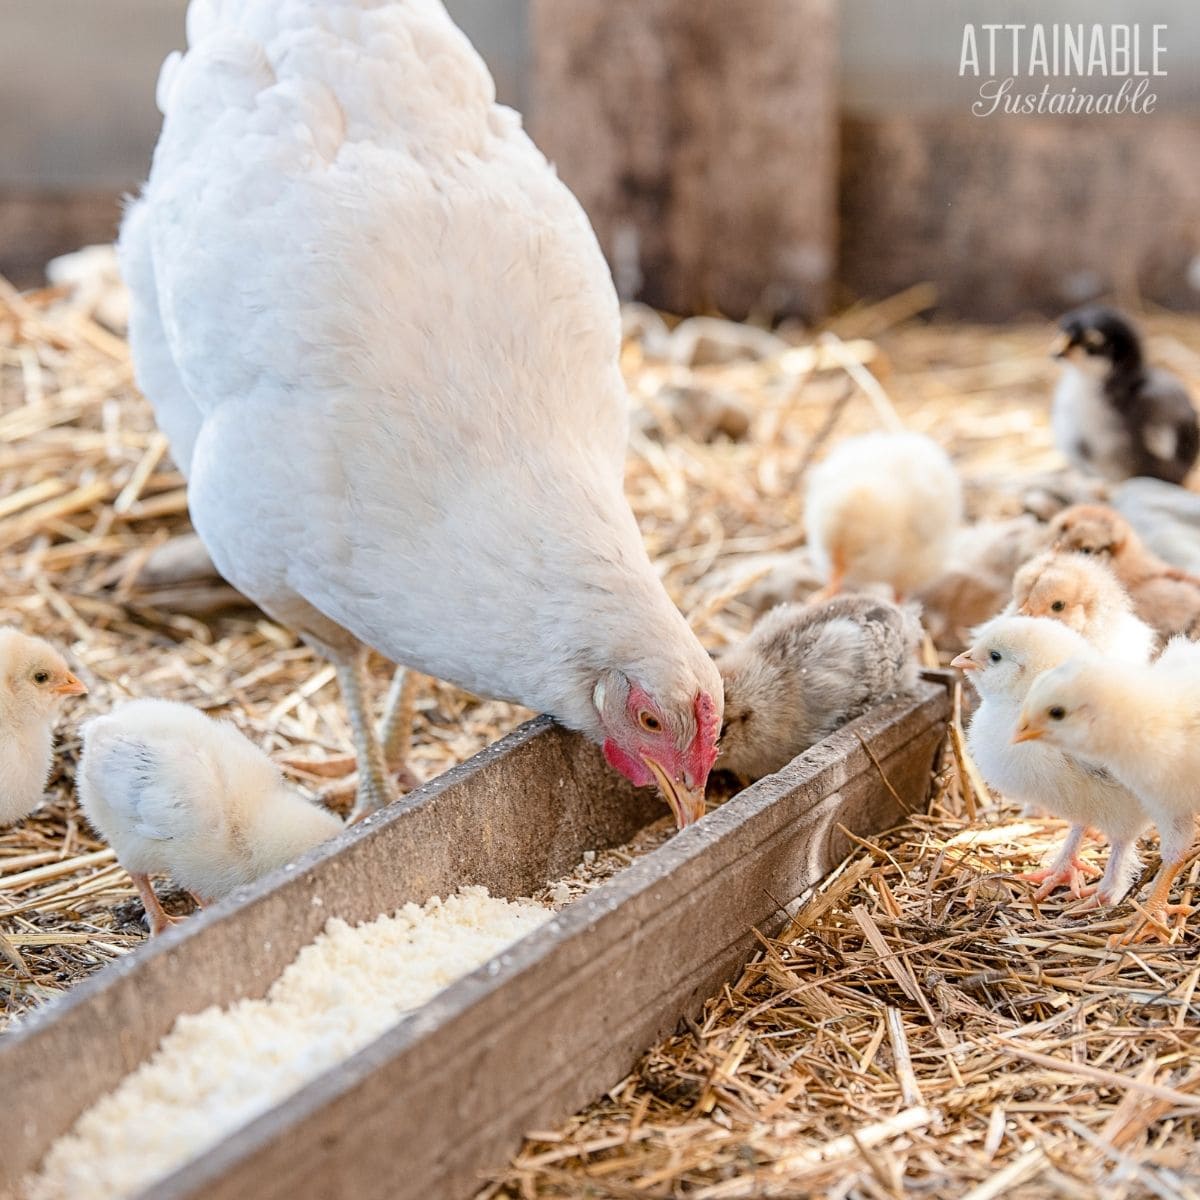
[805, 670]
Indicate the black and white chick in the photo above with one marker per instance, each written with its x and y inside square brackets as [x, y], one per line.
[1113, 415]
[805, 670]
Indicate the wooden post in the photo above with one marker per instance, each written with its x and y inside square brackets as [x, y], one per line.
[701, 138]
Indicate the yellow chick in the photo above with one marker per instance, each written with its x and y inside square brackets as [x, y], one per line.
[172, 790]
[34, 682]
[1008, 654]
[1138, 722]
[883, 508]
[1163, 595]
[1085, 595]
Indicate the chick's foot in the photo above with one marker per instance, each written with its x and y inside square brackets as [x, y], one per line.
[1153, 927]
[1072, 874]
[157, 917]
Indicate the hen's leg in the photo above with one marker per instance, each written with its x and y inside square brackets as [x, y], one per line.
[158, 917]
[1066, 870]
[374, 787]
[395, 730]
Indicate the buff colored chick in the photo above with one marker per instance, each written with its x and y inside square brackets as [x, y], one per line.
[1139, 723]
[1084, 594]
[1163, 596]
[883, 508]
[175, 791]
[34, 682]
[1008, 654]
[805, 670]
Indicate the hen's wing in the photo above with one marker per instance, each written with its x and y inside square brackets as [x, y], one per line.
[177, 414]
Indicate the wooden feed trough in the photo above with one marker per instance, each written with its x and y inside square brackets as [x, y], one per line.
[524, 1040]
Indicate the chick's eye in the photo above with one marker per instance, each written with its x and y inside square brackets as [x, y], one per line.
[995, 655]
[41, 677]
[1085, 549]
[649, 722]
[1056, 713]
[1058, 606]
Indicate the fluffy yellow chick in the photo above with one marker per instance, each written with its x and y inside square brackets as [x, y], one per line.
[172, 790]
[1138, 722]
[883, 508]
[34, 682]
[1008, 654]
[1084, 594]
[1163, 596]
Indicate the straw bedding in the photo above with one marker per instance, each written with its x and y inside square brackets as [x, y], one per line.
[920, 1025]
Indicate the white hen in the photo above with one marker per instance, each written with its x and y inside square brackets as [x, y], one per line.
[172, 790]
[883, 508]
[1008, 654]
[383, 342]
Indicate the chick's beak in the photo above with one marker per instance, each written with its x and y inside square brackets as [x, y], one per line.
[1061, 346]
[686, 803]
[964, 662]
[1028, 733]
[70, 686]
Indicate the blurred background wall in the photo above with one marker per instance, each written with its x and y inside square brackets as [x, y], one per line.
[754, 157]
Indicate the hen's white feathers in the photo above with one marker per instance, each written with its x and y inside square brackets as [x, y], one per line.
[369, 314]
[173, 790]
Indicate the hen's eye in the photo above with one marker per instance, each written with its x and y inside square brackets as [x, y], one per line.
[995, 655]
[1085, 549]
[1056, 713]
[1058, 606]
[41, 677]
[649, 722]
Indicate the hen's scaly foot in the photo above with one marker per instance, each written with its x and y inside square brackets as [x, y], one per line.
[1072, 875]
[374, 793]
[1152, 927]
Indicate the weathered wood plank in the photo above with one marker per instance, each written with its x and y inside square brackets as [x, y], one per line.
[1013, 215]
[701, 139]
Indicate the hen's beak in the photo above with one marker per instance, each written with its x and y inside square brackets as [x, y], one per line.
[964, 662]
[686, 803]
[1028, 733]
[70, 687]
[1061, 346]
